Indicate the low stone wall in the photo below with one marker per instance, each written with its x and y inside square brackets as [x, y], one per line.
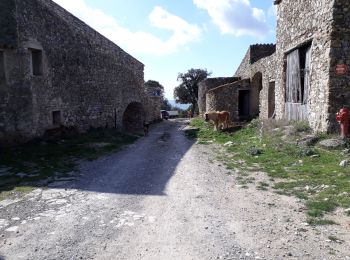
[226, 98]
[208, 84]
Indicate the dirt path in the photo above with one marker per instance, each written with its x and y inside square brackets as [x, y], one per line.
[161, 198]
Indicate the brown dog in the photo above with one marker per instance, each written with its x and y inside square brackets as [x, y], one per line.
[220, 118]
[146, 128]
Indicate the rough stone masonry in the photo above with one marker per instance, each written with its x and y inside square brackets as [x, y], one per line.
[317, 27]
[57, 71]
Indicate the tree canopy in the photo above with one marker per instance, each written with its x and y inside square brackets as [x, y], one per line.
[154, 88]
[187, 91]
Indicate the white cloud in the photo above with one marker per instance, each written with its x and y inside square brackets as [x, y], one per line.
[137, 42]
[235, 17]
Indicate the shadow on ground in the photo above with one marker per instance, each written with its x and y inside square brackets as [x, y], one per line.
[144, 167]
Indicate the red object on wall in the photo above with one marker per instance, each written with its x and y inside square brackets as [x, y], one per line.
[341, 69]
[343, 119]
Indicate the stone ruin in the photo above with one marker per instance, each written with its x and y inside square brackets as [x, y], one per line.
[304, 76]
[56, 71]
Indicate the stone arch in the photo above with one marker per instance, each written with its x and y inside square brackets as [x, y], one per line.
[133, 117]
[256, 87]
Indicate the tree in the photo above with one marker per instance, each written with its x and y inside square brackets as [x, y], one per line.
[187, 91]
[154, 88]
[166, 105]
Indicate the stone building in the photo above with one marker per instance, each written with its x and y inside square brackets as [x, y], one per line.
[305, 77]
[57, 71]
[243, 95]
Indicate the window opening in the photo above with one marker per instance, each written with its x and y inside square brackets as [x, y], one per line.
[56, 118]
[36, 62]
[298, 75]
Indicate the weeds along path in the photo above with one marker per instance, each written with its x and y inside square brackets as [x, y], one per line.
[163, 197]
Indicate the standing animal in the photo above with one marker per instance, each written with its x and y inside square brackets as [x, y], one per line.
[146, 128]
[220, 118]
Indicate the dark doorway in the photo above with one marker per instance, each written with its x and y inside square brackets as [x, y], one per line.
[134, 117]
[243, 104]
[2, 67]
[271, 99]
[256, 87]
[56, 118]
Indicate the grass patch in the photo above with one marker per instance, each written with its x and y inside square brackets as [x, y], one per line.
[296, 171]
[25, 165]
[333, 238]
[320, 222]
[262, 186]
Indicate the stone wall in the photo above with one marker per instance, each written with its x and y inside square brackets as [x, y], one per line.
[266, 67]
[300, 22]
[83, 77]
[260, 51]
[322, 24]
[243, 70]
[339, 91]
[255, 53]
[208, 84]
[260, 69]
[8, 24]
[226, 98]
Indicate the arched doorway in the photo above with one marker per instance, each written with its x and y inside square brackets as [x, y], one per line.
[256, 87]
[133, 117]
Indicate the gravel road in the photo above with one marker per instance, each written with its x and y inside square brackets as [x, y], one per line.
[163, 197]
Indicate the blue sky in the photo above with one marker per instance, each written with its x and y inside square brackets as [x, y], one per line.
[172, 36]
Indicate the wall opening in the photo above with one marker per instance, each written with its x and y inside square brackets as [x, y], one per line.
[2, 67]
[256, 87]
[133, 117]
[271, 99]
[56, 118]
[243, 104]
[36, 60]
[298, 82]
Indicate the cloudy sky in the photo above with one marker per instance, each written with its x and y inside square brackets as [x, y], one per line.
[172, 36]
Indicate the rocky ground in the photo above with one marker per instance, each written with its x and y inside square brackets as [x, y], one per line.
[163, 197]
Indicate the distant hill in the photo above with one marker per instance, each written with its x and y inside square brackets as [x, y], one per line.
[182, 106]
